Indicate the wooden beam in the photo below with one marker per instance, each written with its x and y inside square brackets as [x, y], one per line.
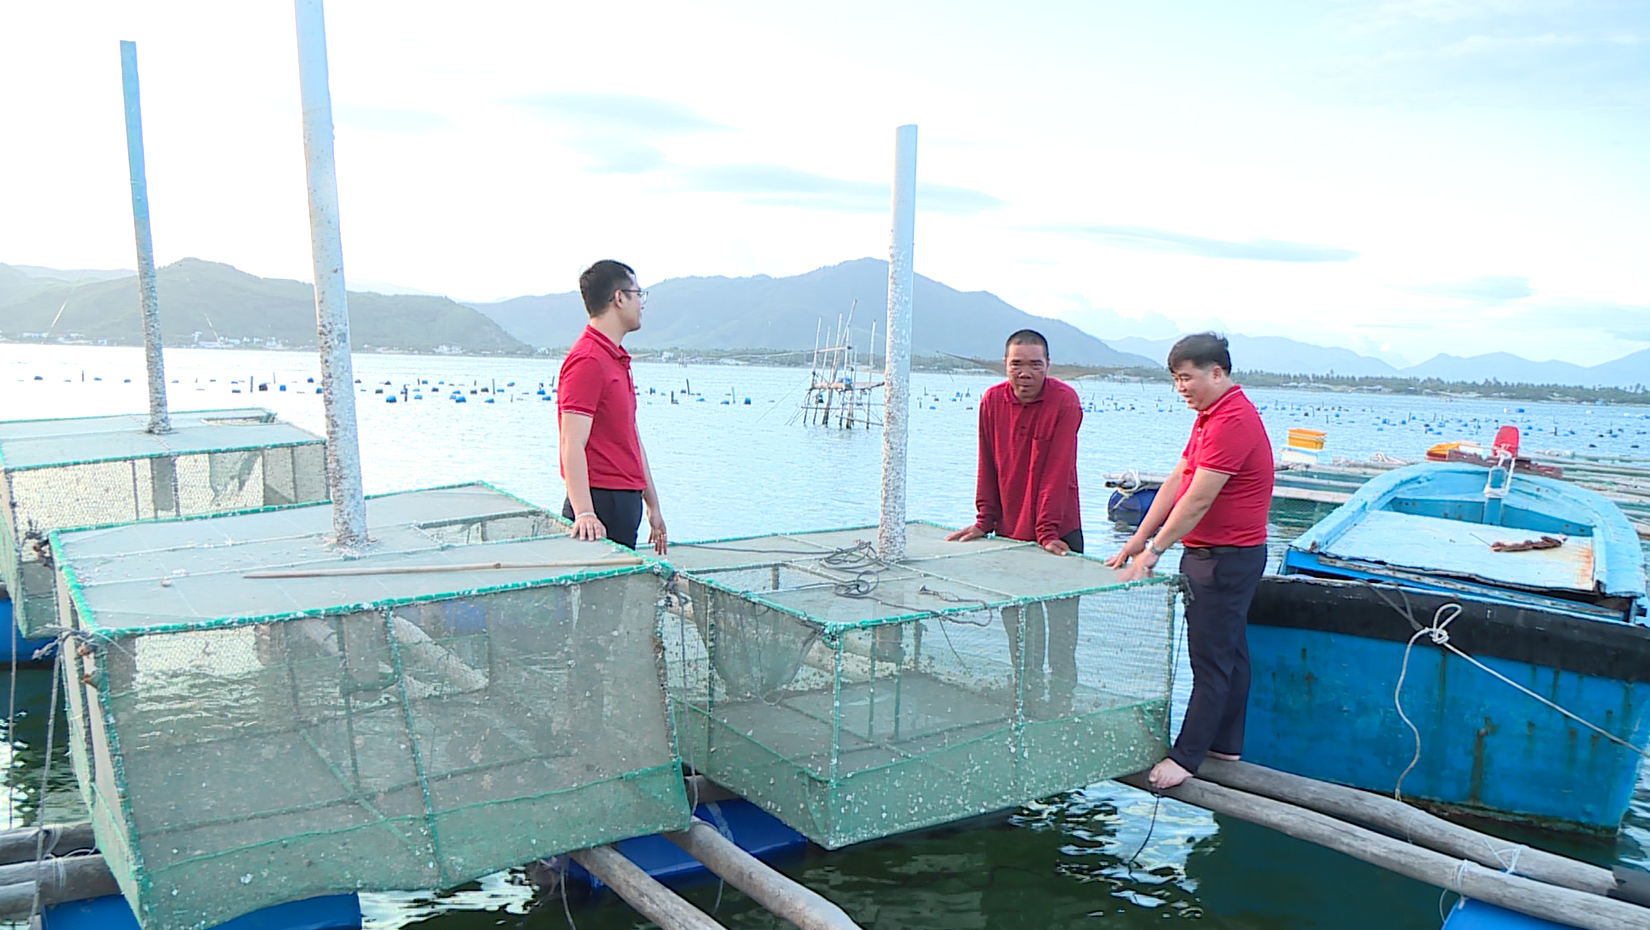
[1409, 822]
[797, 904]
[73, 878]
[24, 844]
[1564, 906]
[642, 891]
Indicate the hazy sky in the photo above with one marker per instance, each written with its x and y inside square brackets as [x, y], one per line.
[1413, 176]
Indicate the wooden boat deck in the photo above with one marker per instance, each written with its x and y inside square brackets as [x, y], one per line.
[1428, 543]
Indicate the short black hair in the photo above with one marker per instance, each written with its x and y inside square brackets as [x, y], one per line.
[598, 283]
[1027, 337]
[1205, 350]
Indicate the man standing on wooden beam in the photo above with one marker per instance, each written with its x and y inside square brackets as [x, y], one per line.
[602, 460]
[1215, 502]
[1027, 490]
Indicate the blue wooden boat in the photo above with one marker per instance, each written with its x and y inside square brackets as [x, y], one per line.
[1131, 497]
[1538, 580]
[14, 648]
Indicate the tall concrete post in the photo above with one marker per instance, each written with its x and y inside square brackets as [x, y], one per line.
[159, 420]
[349, 512]
[897, 376]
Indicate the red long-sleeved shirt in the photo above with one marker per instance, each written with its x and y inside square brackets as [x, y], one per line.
[1028, 463]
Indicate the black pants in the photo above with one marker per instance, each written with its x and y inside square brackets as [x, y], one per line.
[619, 511]
[1047, 630]
[1220, 584]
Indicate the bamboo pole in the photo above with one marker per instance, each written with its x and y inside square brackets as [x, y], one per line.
[429, 569]
[1410, 822]
[797, 904]
[642, 891]
[69, 878]
[1564, 906]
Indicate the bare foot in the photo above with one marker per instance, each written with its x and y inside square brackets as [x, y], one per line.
[1167, 774]
[1223, 755]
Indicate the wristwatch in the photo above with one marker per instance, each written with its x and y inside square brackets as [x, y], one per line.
[1152, 548]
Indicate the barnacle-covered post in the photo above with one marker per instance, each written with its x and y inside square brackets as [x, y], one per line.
[349, 515]
[159, 420]
[897, 375]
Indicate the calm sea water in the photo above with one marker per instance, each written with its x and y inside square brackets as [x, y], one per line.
[1101, 856]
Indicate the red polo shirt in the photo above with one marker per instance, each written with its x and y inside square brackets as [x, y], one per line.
[1229, 438]
[1028, 463]
[595, 381]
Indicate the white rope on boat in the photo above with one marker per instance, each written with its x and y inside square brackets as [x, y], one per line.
[1438, 632]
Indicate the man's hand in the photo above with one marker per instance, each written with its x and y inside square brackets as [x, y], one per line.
[589, 526]
[1130, 549]
[656, 531]
[1140, 568]
[965, 534]
[1057, 546]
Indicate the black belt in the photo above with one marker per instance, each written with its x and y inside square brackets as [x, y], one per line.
[1209, 552]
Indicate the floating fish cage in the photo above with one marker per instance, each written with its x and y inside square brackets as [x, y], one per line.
[257, 718]
[93, 471]
[855, 699]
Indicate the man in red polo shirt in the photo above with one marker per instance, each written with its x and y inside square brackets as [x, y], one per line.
[1215, 501]
[602, 460]
[1027, 489]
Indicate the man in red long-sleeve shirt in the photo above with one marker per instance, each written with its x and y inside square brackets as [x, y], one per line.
[1027, 490]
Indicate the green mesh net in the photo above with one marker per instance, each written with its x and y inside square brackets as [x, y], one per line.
[855, 699]
[93, 471]
[475, 691]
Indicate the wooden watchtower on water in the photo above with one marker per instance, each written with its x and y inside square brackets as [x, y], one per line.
[842, 388]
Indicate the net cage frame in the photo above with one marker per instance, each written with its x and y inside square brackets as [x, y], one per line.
[199, 889]
[1036, 751]
[118, 463]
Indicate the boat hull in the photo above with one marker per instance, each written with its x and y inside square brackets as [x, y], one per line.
[1128, 509]
[14, 648]
[1326, 658]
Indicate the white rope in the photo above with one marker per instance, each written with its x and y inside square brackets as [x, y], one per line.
[1439, 633]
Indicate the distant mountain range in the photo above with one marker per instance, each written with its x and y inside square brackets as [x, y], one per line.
[208, 302]
[767, 314]
[1279, 355]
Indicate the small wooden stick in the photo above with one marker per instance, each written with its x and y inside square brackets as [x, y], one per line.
[427, 569]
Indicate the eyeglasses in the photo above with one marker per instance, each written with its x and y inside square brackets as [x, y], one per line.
[640, 294]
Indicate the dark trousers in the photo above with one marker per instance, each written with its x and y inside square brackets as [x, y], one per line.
[1220, 583]
[619, 511]
[1050, 629]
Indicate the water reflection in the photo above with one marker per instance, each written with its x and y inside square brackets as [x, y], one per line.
[25, 748]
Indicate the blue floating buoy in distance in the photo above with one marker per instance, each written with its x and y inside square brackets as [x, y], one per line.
[312, 381]
[390, 399]
[747, 401]
[460, 399]
[317, 390]
[281, 388]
